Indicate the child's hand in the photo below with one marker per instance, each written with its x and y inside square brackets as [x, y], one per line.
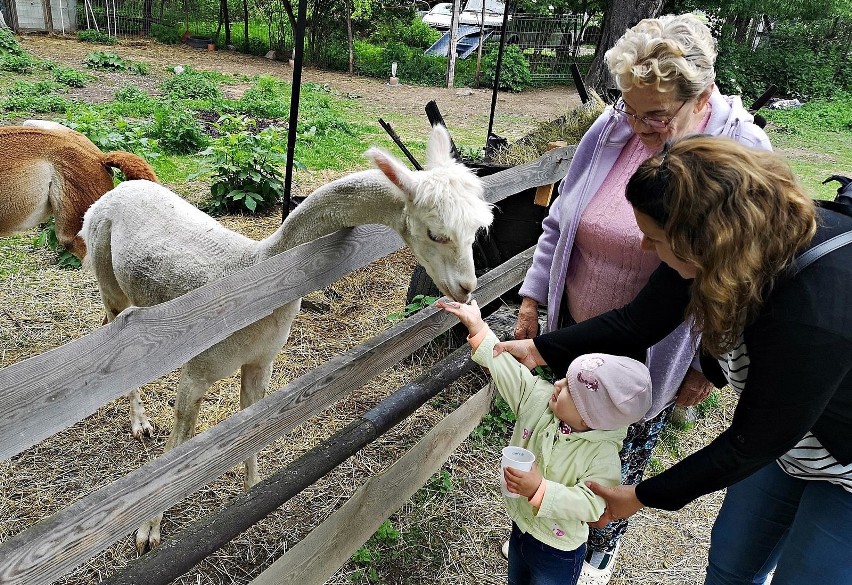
[523, 482]
[469, 314]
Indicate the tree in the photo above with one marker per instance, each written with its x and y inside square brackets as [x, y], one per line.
[619, 15]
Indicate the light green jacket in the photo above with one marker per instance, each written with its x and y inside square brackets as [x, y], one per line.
[565, 461]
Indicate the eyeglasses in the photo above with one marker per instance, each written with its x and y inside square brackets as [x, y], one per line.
[657, 123]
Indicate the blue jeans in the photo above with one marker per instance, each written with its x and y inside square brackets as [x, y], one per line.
[532, 562]
[769, 518]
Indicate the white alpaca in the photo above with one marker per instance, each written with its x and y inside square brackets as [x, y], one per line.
[147, 246]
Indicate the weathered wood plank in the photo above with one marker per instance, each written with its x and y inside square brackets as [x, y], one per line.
[549, 168]
[57, 544]
[47, 393]
[316, 558]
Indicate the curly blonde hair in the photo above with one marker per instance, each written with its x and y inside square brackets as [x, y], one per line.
[671, 53]
[735, 213]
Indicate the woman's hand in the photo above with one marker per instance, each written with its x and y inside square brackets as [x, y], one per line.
[621, 502]
[523, 482]
[527, 325]
[694, 389]
[524, 350]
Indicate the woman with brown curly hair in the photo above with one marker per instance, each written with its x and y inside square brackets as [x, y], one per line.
[730, 224]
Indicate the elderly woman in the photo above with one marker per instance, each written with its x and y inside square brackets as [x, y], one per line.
[588, 258]
[730, 225]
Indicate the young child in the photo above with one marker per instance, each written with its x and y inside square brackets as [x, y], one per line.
[575, 429]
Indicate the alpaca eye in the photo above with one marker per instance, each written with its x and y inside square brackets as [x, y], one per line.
[437, 238]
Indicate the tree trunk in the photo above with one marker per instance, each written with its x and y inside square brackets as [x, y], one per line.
[350, 40]
[454, 39]
[618, 17]
[147, 16]
[246, 24]
[226, 18]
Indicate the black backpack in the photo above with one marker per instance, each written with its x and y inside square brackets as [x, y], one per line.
[842, 204]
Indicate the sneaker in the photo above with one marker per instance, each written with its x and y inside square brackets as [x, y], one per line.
[599, 575]
[505, 550]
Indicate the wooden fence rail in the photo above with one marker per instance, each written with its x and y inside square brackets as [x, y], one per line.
[45, 394]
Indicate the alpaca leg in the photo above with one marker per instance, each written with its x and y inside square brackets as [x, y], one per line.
[140, 426]
[254, 380]
[191, 391]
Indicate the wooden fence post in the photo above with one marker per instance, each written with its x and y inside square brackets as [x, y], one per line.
[544, 192]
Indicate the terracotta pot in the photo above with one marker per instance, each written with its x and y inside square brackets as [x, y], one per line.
[211, 47]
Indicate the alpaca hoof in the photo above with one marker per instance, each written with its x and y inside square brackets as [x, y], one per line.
[142, 429]
[148, 536]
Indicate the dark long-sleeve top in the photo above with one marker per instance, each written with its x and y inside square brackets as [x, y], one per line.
[799, 377]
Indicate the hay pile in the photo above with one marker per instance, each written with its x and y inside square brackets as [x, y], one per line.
[568, 127]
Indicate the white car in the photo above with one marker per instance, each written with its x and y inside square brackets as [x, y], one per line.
[440, 17]
[472, 13]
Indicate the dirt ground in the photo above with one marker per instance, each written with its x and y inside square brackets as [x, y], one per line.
[449, 536]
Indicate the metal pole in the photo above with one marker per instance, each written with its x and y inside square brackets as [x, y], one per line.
[503, 28]
[298, 57]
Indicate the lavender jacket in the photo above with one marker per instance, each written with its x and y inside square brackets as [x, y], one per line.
[596, 154]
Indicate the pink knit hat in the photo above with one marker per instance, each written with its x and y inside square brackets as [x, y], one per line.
[609, 391]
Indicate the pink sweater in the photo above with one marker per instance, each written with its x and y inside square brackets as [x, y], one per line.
[607, 266]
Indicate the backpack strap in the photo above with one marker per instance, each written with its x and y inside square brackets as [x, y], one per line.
[810, 256]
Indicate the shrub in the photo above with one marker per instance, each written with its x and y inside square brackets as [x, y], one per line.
[514, 73]
[9, 44]
[177, 130]
[796, 57]
[96, 36]
[166, 34]
[245, 170]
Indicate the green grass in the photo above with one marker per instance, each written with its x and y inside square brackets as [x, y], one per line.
[15, 255]
[815, 139]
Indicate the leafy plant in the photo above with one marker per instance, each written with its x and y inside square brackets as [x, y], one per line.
[268, 97]
[71, 77]
[441, 482]
[497, 423]
[9, 43]
[190, 85]
[514, 70]
[245, 168]
[417, 304]
[38, 97]
[177, 130]
[46, 238]
[14, 63]
[106, 61]
[109, 134]
[96, 36]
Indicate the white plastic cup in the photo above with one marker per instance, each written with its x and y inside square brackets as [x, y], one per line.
[517, 458]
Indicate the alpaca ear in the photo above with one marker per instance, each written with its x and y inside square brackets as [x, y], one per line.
[394, 170]
[440, 148]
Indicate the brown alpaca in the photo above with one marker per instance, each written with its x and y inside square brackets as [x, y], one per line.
[47, 169]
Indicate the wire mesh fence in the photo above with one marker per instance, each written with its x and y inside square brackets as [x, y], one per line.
[552, 43]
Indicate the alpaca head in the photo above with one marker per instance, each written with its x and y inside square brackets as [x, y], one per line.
[444, 210]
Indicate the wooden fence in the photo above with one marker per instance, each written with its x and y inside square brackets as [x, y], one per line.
[50, 392]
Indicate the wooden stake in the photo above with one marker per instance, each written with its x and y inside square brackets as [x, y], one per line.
[544, 192]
